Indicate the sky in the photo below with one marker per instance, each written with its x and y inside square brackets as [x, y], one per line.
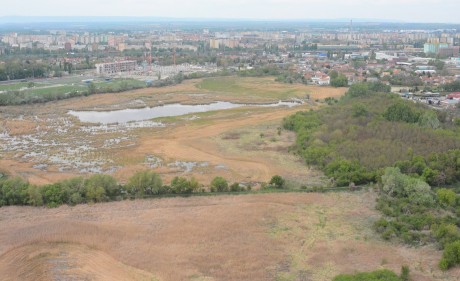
[441, 11]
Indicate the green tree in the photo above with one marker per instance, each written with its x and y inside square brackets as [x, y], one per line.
[277, 182]
[53, 195]
[340, 81]
[101, 187]
[35, 195]
[401, 112]
[439, 64]
[13, 191]
[219, 184]
[75, 190]
[333, 74]
[145, 182]
[358, 90]
[359, 110]
[235, 187]
[181, 185]
[398, 185]
[429, 119]
[447, 197]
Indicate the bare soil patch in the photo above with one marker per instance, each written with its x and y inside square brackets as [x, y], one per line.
[246, 237]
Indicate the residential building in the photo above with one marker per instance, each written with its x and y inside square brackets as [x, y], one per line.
[115, 67]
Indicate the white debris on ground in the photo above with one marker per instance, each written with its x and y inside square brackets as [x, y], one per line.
[71, 147]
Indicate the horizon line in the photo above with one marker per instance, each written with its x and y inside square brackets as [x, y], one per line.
[47, 19]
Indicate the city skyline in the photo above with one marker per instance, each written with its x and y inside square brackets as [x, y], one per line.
[424, 11]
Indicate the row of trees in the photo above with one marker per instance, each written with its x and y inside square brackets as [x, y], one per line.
[30, 96]
[101, 188]
[14, 71]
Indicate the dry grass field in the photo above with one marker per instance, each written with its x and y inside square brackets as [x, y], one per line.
[45, 144]
[294, 236]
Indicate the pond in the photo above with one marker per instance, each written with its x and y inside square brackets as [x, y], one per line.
[176, 109]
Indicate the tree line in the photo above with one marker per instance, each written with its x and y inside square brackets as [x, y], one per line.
[104, 188]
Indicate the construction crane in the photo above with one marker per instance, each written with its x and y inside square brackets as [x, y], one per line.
[174, 56]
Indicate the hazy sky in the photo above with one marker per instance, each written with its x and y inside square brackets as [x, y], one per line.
[402, 10]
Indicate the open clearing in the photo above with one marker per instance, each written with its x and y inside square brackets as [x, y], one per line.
[43, 143]
[290, 236]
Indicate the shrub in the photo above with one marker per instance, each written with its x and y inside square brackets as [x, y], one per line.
[450, 256]
[35, 195]
[235, 187]
[379, 275]
[399, 185]
[219, 184]
[99, 187]
[446, 197]
[53, 195]
[429, 119]
[405, 272]
[345, 172]
[144, 182]
[446, 233]
[277, 182]
[181, 185]
[75, 190]
[359, 110]
[13, 191]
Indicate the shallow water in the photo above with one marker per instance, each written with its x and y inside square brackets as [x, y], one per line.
[128, 115]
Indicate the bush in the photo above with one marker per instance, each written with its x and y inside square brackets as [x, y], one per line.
[446, 233]
[144, 182]
[277, 182]
[100, 188]
[405, 272]
[219, 184]
[396, 184]
[13, 191]
[181, 185]
[429, 119]
[75, 190]
[53, 195]
[450, 256]
[446, 197]
[235, 187]
[379, 275]
[359, 110]
[345, 172]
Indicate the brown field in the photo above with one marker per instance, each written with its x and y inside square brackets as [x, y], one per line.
[294, 236]
[195, 142]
